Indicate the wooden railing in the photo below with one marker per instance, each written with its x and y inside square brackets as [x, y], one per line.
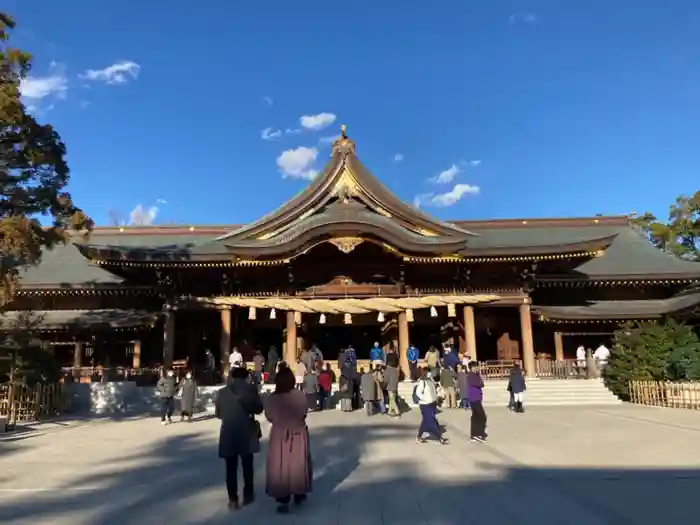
[19, 403]
[495, 369]
[666, 394]
[544, 368]
[99, 374]
[566, 369]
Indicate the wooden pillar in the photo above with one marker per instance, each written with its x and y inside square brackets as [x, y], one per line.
[78, 352]
[404, 340]
[169, 338]
[136, 354]
[225, 342]
[527, 341]
[390, 336]
[290, 349]
[558, 346]
[470, 333]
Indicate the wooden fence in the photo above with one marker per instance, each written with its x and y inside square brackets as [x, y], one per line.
[544, 368]
[666, 394]
[100, 374]
[20, 403]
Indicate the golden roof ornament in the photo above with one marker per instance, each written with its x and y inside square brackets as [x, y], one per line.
[343, 144]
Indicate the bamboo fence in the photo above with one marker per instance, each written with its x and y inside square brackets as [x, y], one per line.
[666, 394]
[19, 403]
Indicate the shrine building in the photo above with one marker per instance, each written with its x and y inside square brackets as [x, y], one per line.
[347, 262]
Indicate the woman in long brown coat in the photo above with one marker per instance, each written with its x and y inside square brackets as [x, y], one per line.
[289, 471]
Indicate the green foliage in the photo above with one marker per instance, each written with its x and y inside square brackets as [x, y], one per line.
[652, 351]
[33, 174]
[23, 358]
[680, 234]
[684, 364]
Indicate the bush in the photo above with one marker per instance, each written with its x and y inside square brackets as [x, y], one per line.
[21, 349]
[652, 351]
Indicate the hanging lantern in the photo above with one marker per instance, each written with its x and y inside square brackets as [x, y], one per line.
[380, 317]
[409, 315]
[251, 313]
[433, 311]
[451, 310]
[297, 317]
[347, 319]
[273, 314]
[322, 319]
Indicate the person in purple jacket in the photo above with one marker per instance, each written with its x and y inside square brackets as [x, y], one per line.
[475, 394]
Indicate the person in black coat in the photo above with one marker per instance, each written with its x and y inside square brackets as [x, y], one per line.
[188, 399]
[167, 389]
[346, 387]
[516, 386]
[236, 406]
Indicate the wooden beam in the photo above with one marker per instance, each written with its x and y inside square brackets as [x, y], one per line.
[404, 338]
[470, 333]
[290, 349]
[558, 346]
[527, 340]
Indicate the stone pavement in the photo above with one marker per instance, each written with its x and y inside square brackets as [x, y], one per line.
[621, 465]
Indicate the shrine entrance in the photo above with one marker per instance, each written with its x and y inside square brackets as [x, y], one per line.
[331, 338]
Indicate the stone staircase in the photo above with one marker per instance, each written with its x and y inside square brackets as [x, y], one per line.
[126, 398]
[541, 392]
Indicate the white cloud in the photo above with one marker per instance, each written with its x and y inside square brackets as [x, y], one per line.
[325, 141]
[141, 216]
[524, 18]
[119, 73]
[274, 134]
[84, 104]
[446, 176]
[55, 84]
[474, 163]
[161, 201]
[268, 101]
[296, 163]
[271, 134]
[444, 200]
[399, 157]
[317, 122]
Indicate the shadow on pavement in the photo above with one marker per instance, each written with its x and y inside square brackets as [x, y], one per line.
[180, 481]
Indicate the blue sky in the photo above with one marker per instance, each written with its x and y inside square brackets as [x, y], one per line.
[481, 109]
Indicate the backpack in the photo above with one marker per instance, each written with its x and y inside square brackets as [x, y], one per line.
[416, 400]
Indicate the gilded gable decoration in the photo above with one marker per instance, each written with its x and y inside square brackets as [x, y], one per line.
[346, 244]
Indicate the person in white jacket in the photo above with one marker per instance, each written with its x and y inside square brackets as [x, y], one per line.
[425, 395]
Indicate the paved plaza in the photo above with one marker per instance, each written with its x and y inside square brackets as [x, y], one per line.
[623, 465]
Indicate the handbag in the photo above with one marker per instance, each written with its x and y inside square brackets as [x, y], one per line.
[256, 423]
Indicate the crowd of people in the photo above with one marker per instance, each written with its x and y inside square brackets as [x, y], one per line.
[444, 381]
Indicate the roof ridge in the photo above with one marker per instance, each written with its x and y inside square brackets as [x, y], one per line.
[200, 228]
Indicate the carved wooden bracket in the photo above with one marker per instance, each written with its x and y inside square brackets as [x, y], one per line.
[346, 244]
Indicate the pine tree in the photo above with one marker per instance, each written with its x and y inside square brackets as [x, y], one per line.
[680, 234]
[652, 351]
[33, 174]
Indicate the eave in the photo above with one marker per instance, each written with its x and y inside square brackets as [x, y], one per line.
[264, 253]
[619, 310]
[83, 290]
[78, 320]
[613, 281]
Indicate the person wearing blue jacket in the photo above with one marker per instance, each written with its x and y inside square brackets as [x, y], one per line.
[413, 355]
[450, 358]
[376, 355]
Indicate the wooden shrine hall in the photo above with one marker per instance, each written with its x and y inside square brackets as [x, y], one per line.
[347, 262]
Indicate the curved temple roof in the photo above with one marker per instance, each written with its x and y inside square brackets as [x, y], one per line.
[344, 200]
[632, 309]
